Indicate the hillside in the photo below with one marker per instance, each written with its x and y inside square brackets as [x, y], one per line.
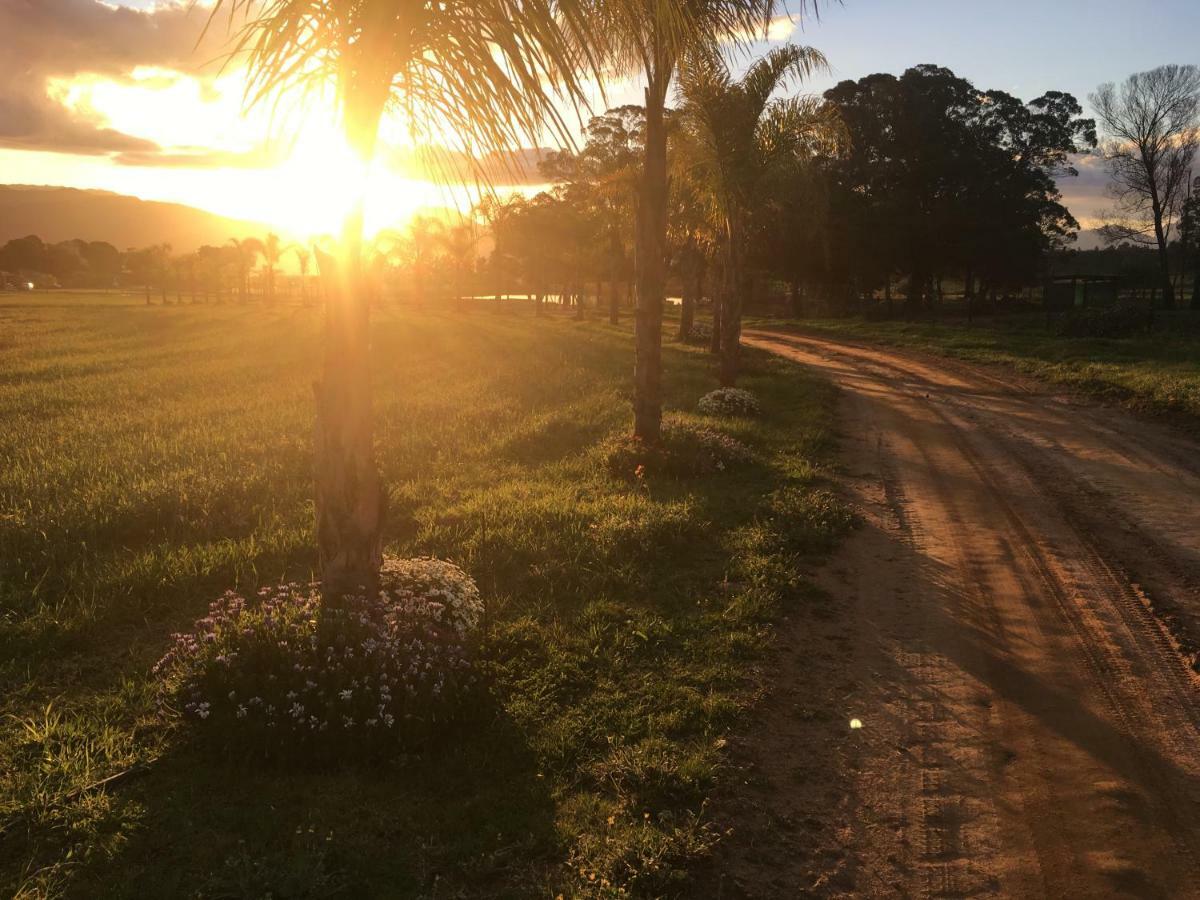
[58, 214]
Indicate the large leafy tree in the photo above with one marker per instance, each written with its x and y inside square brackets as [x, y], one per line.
[943, 178]
[602, 181]
[650, 37]
[478, 75]
[738, 145]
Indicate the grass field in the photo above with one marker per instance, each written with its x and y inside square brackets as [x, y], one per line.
[1157, 373]
[153, 457]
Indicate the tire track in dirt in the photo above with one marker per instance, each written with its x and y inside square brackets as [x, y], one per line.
[1036, 727]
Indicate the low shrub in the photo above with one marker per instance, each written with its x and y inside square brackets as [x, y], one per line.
[1121, 320]
[809, 521]
[700, 333]
[730, 401]
[289, 674]
[685, 451]
[434, 590]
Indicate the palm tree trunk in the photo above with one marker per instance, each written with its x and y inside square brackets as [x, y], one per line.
[794, 298]
[714, 344]
[731, 308]
[351, 502]
[651, 263]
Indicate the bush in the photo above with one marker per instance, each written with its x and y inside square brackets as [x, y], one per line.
[700, 333]
[435, 590]
[730, 402]
[1121, 320]
[810, 521]
[289, 674]
[685, 451]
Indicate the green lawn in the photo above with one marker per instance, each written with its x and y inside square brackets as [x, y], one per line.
[153, 457]
[1157, 373]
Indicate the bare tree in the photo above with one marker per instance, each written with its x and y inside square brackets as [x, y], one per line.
[1152, 128]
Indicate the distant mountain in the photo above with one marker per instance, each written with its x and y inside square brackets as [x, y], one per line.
[58, 214]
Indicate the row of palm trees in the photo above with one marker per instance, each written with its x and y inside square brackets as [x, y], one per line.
[741, 162]
[487, 76]
[214, 271]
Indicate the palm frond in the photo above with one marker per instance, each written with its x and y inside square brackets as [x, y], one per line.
[477, 75]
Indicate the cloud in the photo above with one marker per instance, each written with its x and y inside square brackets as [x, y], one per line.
[517, 167]
[1086, 194]
[778, 29]
[55, 39]
[196, 158]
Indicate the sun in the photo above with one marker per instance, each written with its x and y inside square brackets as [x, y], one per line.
[292, 171]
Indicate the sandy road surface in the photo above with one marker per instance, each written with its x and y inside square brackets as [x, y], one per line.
[1021, 598]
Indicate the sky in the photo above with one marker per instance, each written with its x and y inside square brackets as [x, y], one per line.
[114, 94]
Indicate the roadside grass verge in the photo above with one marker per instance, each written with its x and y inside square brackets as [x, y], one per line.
[156, 456]
[1156, 374]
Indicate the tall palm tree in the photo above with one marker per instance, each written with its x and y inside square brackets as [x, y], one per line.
[650, 37]
[737, 145]
[303, 260]
[458, 243]
[422, 244]
[246, 251]
[161, 256]
[484, 74]
[272, 252]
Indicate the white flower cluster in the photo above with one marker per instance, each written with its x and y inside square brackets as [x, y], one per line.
[730, 402]
[432, 589]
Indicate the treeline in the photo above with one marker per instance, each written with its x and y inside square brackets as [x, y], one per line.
[884, 187]
[74, 263]
[242, 268]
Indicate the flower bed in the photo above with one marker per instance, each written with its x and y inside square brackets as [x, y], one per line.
[685, 451]
[700, 333]
[730, 401]
[289, 674]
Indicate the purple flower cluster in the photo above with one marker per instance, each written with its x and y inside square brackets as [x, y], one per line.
[290, 672]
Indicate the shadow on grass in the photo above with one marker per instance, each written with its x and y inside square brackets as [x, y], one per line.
[454, 818]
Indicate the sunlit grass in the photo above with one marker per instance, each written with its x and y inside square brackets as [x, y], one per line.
[155, 456]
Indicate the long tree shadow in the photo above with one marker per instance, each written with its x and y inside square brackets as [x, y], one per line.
[452, 820]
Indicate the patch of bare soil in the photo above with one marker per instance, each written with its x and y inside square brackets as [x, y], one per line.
[1015, 629]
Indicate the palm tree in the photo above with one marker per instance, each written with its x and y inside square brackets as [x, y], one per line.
[160, 255]
[736, 144]
[458, 243]
[272, 253]
[422, 241]
[246, 252]
[303, 260]
[486, 73]
[650, 38]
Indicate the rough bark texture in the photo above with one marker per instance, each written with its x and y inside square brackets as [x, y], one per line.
[1164, 259]
[651, 267]
[687, 311]
[731, 332]
[692, 266]
[714, 345]
[350, 499]
[794, 299]
[736, 285]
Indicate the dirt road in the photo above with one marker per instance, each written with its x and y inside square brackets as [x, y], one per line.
[1022, 597]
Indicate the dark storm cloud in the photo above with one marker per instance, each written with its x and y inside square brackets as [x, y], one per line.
[45, 39]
